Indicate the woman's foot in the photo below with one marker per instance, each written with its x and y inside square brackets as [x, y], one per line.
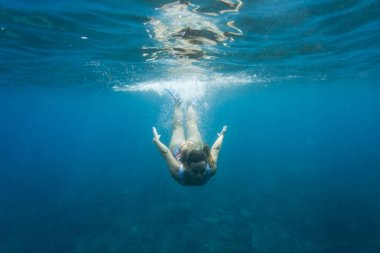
[190, 104]
[176, 99]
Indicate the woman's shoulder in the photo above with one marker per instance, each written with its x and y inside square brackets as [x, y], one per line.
[213, 168]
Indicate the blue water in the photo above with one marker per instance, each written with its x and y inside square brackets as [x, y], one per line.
[82, 84]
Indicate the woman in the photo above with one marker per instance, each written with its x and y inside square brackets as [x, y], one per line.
[190, 161]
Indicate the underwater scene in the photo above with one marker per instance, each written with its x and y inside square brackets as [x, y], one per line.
[234, 126]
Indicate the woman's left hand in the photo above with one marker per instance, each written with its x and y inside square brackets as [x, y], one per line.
[223, 130]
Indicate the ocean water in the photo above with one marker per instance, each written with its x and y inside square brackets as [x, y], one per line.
[83, 82]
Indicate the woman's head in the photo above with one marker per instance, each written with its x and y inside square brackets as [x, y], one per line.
[190, 156]
[196, 161]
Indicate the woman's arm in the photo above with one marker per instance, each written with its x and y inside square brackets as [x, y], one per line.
[166, 154]
[217, 145]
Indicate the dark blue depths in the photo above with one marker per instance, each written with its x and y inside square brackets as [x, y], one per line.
[299, 169]
[298, 172]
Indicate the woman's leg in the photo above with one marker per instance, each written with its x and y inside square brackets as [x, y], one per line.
[178, 136]
[192, 126]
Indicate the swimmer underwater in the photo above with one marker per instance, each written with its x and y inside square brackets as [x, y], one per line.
[190, 161]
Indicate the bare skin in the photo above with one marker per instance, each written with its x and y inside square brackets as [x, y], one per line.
[193, 141]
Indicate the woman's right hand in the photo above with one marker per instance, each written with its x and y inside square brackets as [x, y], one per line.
[156, 136]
